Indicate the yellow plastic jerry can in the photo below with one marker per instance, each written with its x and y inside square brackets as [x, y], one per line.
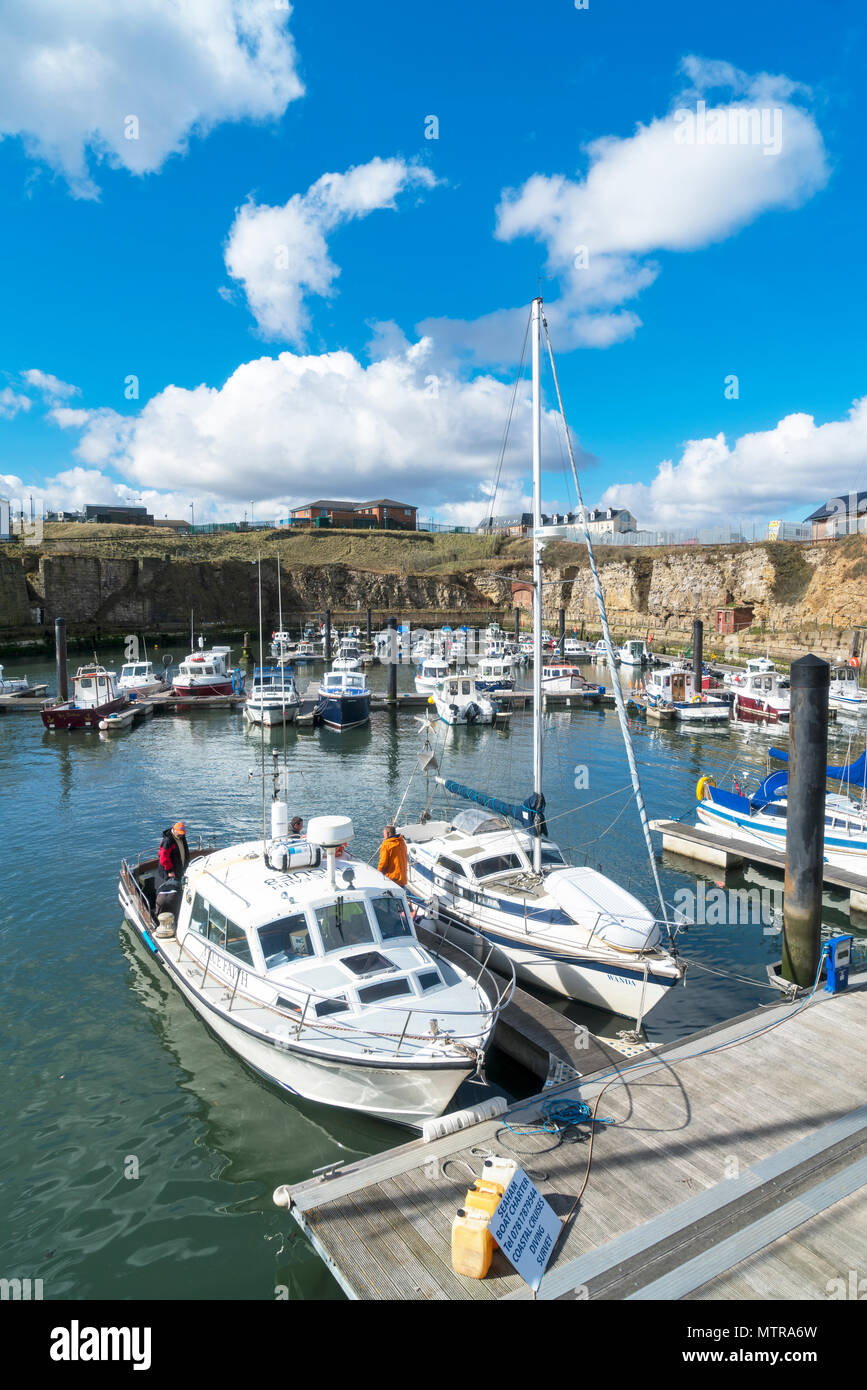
[472, 1244]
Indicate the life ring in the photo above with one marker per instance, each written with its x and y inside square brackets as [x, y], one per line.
[701, 786]
[854, 662]
[696, 700]
[196, 658]
[237, 681]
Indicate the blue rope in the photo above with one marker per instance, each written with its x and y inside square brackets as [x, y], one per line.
[559, 1115]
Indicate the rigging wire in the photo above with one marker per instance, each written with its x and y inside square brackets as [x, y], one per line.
[518, 379]
[609, 647]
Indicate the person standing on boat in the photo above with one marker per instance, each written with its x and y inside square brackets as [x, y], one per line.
[174, 851]
[296, 826]
[169, 897]
[392, 856]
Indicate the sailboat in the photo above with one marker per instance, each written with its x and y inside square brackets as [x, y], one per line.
[494, 869]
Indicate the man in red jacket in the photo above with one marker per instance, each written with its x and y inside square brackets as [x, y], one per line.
[174, 852]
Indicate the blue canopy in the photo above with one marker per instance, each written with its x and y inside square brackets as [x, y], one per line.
[526, 814]
[773, 787]
[853, 773]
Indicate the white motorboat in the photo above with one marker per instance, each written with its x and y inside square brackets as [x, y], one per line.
[495, 673]
[575, 650]
[344, 700]
[844, 692]
[600, 654]
[568, 680]
[303, 653]
[349, 657]
[672, 689]
[567, 929]
[305, 962]
[139, 679]
[634, 653]
[281, 644]
[207, 672]
[760, 695]
[459, 700]
[15, 685]
[273, 698]
[94, 697]
[432, 671]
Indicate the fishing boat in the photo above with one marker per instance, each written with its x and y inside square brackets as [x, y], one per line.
[568, 680]
[344, 700]
[206, 672]
[432, 671]
[761, 816]
[459, 700]
[306, 963]
[575, 650]
[139, 679]
[95, 695]
[600, 653]
[672, 689]
[304, 653]
[844, 692]
[497, 871]
[760, 695]
[495, 673]
[273, 698]
[281, 644]
[349, 657]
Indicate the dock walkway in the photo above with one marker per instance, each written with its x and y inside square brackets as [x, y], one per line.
[724, 1170]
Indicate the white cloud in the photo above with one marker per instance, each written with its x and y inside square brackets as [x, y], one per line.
[766, 474]
[51, 388]
[285, 429]
[11, 402]
[75, 77]
[280, 254]
[652, 191]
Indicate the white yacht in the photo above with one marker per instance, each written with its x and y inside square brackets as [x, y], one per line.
[273, 698]
[305, 962]
[207, 672]
[281, 644]
[634, 653]
[567, 929]
[568, 680]
[495, 673]
[15, 685]
[349, 657]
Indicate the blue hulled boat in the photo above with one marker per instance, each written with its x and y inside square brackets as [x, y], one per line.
[344, 700]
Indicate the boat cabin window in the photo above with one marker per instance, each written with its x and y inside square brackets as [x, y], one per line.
[285, 941]
[551, 855]
[466, 688]
[497, 864]
[429, 979]
[216, 931]
[331, 1006]
[450, 866]
[386, 989]
[237, 944]
[391, 917]
[86, 682]
[342, 924]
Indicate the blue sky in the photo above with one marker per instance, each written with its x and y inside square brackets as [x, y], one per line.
[197, 259]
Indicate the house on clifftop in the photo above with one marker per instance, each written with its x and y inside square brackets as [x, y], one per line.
[839, 516]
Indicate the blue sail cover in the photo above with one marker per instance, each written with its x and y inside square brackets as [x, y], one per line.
[771, 789]
[525, 814]
[853, 773]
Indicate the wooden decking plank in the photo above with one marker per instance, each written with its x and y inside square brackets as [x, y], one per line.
[425, 1242]
[441, 1220]
[383, 1234]
[367, 1278]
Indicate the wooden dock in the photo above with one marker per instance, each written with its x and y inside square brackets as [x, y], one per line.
[697, 843]
[733, 1154]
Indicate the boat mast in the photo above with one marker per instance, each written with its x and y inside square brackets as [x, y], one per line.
[536, 334]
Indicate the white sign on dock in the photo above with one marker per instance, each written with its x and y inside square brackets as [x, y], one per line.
[526, 1228]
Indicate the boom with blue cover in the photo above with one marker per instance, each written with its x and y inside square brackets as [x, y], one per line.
[853, 773]
[531, 812]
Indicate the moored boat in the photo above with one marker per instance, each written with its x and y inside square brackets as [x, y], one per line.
[672, 689]
[273, 698]
[344, 700]
[139, 679]
[305, 962]
[459, 700]
[206, 672]
[568, 680]
[94, 696]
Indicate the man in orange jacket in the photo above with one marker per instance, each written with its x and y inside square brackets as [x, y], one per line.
[392, 856]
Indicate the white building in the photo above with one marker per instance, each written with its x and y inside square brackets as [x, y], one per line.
[5, 519]
[609, 519]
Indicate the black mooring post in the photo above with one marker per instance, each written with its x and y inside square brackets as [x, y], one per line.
[369, 629]
[697, 653]
[326, 645]
[562, 641]
[391, 658]
[805, 819]
[517, 622]
[60, 656]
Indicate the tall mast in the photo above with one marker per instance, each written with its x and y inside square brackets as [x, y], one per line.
[536, 334]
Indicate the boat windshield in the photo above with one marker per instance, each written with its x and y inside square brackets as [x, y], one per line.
[343, 923]
[286, 940]
[498, 864]
[391, 917]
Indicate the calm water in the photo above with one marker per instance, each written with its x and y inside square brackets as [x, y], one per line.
[108, 1072]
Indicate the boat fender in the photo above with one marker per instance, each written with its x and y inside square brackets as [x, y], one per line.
[702, 785]
[237, 681]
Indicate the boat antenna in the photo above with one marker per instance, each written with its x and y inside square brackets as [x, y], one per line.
[609, 647]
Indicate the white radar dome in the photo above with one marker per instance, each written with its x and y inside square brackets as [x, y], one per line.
[329, 831]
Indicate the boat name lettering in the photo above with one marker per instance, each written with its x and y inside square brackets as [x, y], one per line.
[225, 968]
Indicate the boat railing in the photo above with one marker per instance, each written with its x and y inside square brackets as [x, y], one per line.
[503, 993]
